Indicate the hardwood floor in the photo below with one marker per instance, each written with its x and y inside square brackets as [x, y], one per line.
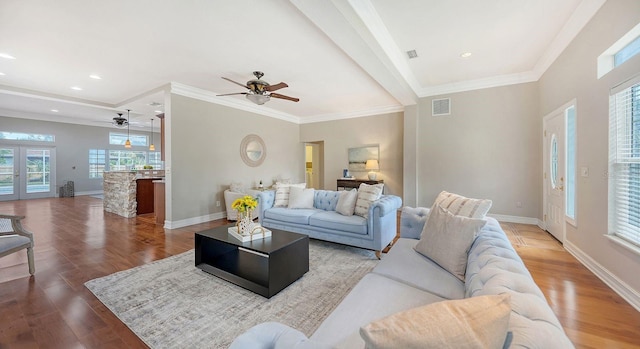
[77, 241]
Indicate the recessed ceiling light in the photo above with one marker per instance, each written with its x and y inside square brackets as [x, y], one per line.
[55, 110]
[6, 56]
[465, 55]
[157, 111]
[95, 76]
[76, 88]
[1, 73]
[155, 104]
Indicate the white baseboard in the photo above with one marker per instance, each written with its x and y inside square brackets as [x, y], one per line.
[514, 219]
[620, 287]
[91, 192]
[194, 220]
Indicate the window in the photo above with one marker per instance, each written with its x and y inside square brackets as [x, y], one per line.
[19, 136]
[624, 162]
[154, 160]
[120, 138]
[38, 170]
[622, 50]
[627, 52]
[570, 191]
[97, 162]
[120, 160]
[554, 161]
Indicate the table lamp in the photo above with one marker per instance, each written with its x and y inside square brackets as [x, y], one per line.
[372, 166]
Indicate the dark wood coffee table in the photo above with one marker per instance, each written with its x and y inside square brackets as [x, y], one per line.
[264, 266]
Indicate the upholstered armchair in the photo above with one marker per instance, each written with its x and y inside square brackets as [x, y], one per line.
[236, 191]
[229, 198]
[13, 238]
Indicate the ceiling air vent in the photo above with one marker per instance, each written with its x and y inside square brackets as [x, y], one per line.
[412, 54]
[440, 107]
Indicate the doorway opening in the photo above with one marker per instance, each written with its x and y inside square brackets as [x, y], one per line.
[314, 164]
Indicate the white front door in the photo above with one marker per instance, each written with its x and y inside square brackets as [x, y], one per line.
[554, 174]
[27, 172]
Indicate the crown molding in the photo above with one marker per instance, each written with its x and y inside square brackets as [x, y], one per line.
[478, 84]
[580, 17]
[49, 118]
[208, 96]
[23, 92]
[352, 115]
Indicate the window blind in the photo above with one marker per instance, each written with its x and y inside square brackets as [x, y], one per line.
[624, 162]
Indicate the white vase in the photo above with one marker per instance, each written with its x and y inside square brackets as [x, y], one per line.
[244, 222]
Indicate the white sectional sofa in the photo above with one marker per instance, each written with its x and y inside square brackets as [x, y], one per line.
[405, 279]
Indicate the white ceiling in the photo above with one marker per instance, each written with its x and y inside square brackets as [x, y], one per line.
[342, 58]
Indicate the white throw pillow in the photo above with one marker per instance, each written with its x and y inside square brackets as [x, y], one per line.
[300, 197]
[447, 238]
[236, 187]
[367, 193]
[462, 206]
[282, 194]
[476, 322]
[347, 202]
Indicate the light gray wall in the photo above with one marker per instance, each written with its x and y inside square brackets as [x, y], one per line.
[72, 147]
[340, 135]
[489, 147]
[573, 75]
[410, 157]
[205, 154]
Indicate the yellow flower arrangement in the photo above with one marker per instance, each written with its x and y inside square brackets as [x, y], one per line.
[245, 203]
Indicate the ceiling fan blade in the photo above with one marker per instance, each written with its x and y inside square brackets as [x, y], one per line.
[237, 83]
[277, 95]
[276, 87]
[231, 94]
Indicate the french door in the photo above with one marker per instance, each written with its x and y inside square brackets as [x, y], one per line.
[27, 172]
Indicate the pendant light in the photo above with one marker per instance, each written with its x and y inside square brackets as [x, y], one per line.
[152, 147]
[127, 144]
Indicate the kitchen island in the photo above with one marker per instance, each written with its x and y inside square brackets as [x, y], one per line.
[129, 193]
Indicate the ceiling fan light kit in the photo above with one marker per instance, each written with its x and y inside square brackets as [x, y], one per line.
[258, 99]
[260, 91]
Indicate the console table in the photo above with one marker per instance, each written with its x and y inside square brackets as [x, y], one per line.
[345, 184]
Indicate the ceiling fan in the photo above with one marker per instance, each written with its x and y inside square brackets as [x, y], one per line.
[260, 91]
[120, 122]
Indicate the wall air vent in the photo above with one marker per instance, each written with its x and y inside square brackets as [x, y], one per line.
[441, 107]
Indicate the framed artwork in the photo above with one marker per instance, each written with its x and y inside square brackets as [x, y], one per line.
[358, 157]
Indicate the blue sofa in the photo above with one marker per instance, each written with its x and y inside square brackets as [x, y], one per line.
[405, 279]
[324, 223]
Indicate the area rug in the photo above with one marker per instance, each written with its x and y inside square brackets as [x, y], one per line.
[172, 304]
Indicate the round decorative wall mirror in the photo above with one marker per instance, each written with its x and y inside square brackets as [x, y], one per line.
[253, 150]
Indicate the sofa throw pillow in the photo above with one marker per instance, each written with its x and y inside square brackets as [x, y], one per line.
[476, 322]
[282, 194]
[236, 187]
[367, 193]
[301, 197]
[462, 206]
[447, 238]
[347, 202]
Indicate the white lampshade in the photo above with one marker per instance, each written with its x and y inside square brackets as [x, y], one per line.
[372, 166]
[258, 99]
